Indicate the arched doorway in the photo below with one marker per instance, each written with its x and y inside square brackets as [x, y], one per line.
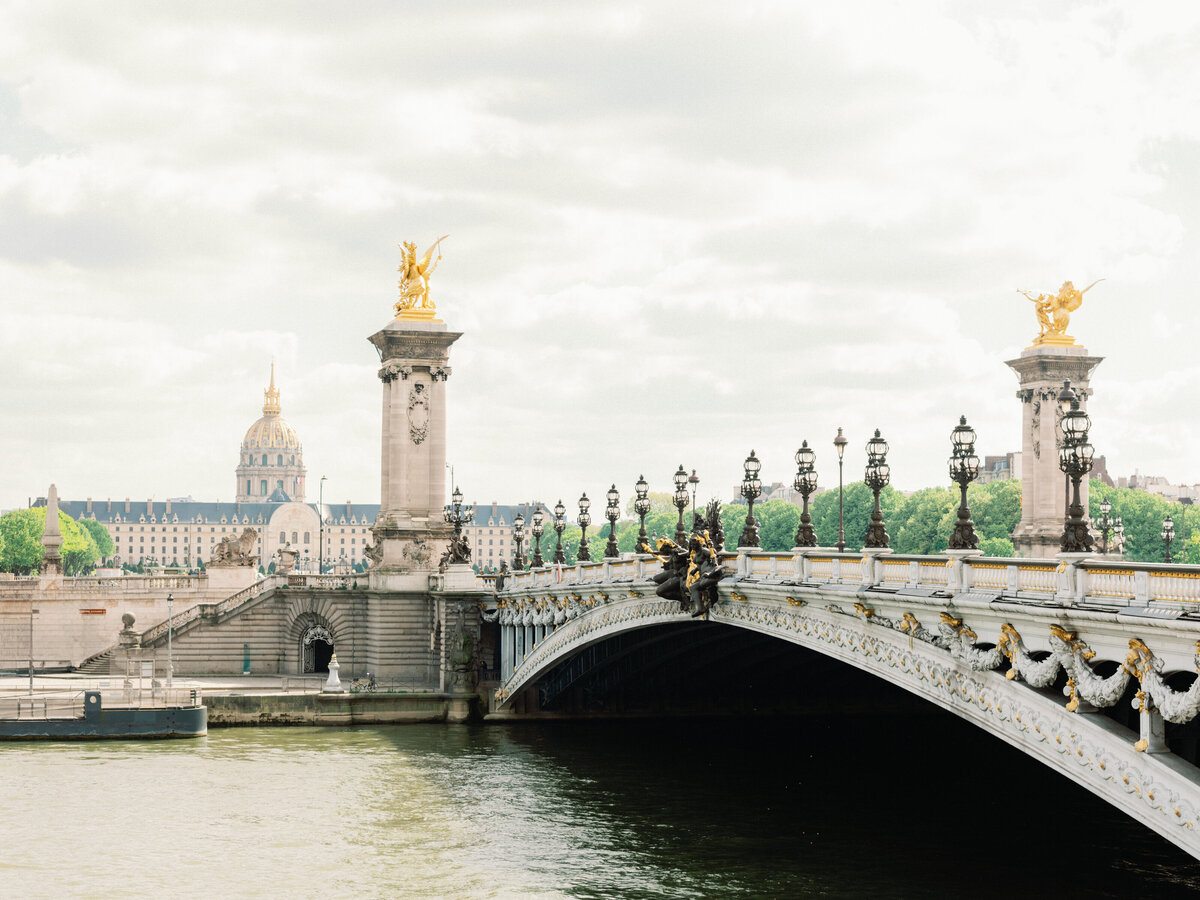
[316, 649]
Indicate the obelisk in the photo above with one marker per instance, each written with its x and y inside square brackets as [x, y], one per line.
[52, 539]
[1054, 357]
[414, 349]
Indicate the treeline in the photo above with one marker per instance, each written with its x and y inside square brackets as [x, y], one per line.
[85, 542]
[918, 524]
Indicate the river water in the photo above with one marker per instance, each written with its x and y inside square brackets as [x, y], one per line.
[809, 806]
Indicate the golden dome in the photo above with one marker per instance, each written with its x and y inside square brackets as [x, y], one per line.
[271, 432]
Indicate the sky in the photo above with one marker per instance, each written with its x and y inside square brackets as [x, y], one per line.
[677, 232]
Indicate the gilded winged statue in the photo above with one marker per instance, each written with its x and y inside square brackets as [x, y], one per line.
[414, 276]
[1054, 311]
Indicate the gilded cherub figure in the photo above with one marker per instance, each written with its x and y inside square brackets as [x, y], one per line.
[1054, 311]
[414, 276]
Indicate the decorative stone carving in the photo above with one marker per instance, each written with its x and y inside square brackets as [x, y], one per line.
[418, 414]
[416, 552]
[232, 552]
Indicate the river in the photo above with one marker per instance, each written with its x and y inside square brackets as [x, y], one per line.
[836, 806]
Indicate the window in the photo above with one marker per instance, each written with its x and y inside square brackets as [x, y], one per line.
[280, 462]
[264, 462]
[295, 538]
[263, 484]
[249, 488]
[306, 536]
[283, 537]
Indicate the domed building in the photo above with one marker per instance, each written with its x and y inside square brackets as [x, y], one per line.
[271, 465]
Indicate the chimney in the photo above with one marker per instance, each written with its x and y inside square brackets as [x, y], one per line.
[150, 507]
[347, 509]
[127, 506]
[89, 505]
[168, 511]
[109, 510]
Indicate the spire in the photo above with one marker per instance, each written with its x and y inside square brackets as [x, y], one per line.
[271, 395]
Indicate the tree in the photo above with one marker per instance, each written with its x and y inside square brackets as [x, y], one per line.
[21, 531]
[104, 541]
[660, 502]
[1142, 514]
[858, 503]
[918, 524]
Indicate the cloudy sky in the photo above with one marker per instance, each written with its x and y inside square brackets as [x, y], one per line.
[677, 232]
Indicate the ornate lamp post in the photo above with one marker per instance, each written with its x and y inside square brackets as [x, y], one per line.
[457, 515]
[1075, 459]
[641, 506]
[839, 444]
[1119, 536]
[560, 525]
[537, 530]
[612, 512]
[878, 474]
[1105, 523]
[1168, 535]
[964, 468]
[694, 480]
[751, 488]
[681, 501]
[170, 628]
[585, 553]
[518, 538]
[805, 484]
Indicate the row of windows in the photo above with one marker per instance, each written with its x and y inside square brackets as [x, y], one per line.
[278, 460]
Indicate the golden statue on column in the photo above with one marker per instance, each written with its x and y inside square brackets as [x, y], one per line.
[1054, 313]
[414, 302]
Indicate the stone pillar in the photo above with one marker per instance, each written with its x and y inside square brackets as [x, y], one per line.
[52, 539]
[410, 534]
[1041, 370]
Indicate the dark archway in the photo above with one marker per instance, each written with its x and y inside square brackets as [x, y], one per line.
[322, 653]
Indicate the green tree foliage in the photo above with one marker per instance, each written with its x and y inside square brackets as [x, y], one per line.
[1143, 515]
[858, 502]
[660, 502]
[917, 525]
[22, 530]
[104, 542]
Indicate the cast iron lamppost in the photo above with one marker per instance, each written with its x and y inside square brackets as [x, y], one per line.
[964, 468]
[1106, 524]
[751, 488]
[877, 475]
[694, 480]
[1119, 536]
[560, 525]
[681, 501]
[321, 527]
[1168, 535]
[518, 538]
[839, 444]
[805, 484]
[538, 529]
[585, 519]
[457, 515]
[1075, 459]
[641, 506]
[170, 623]
[612, 512]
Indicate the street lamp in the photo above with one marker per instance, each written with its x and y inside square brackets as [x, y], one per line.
[1105, 523]
[518, 538]
[805, 483]
[538, 518]
[560, 525]
[964, 468]
[751, 488]
[681, 500]
[839, 444]
[1168, 535]
[694, 481]
[612, 512]
[878, 474]
[457, 514]
[585, 553]
[1075, 459]
[170, 661]
[1119, 536]
[641, 506]
[321, 527]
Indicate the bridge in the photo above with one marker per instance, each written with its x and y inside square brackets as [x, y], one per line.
[1080, 664]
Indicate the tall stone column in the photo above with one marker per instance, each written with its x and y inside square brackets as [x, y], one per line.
[1041, 370]
[410, 533]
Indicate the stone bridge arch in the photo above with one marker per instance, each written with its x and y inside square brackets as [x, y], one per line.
[1159, 790]
[315, 623]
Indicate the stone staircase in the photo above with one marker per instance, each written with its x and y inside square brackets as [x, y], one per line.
[99, 664]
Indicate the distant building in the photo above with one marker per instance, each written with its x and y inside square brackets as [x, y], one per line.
[490, 533]
[1157, 484]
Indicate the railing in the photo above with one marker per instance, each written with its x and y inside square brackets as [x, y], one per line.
[125, 584]
[205, 610]
[1096, 581]
[69, 704]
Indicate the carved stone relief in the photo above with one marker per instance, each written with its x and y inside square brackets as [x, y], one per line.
[418, 414]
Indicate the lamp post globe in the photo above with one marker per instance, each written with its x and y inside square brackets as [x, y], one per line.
[839, 444]
[964, 468]
[612, 511]
[641, 506]
[680, 499]
[694, 482]
[518, 539]
[805, 484]
[1075, 459]
[560, 524]
[585, 519]
[751, 489]
[537, 530]
[1168, 535]
[1106, 524]
[877, 476]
